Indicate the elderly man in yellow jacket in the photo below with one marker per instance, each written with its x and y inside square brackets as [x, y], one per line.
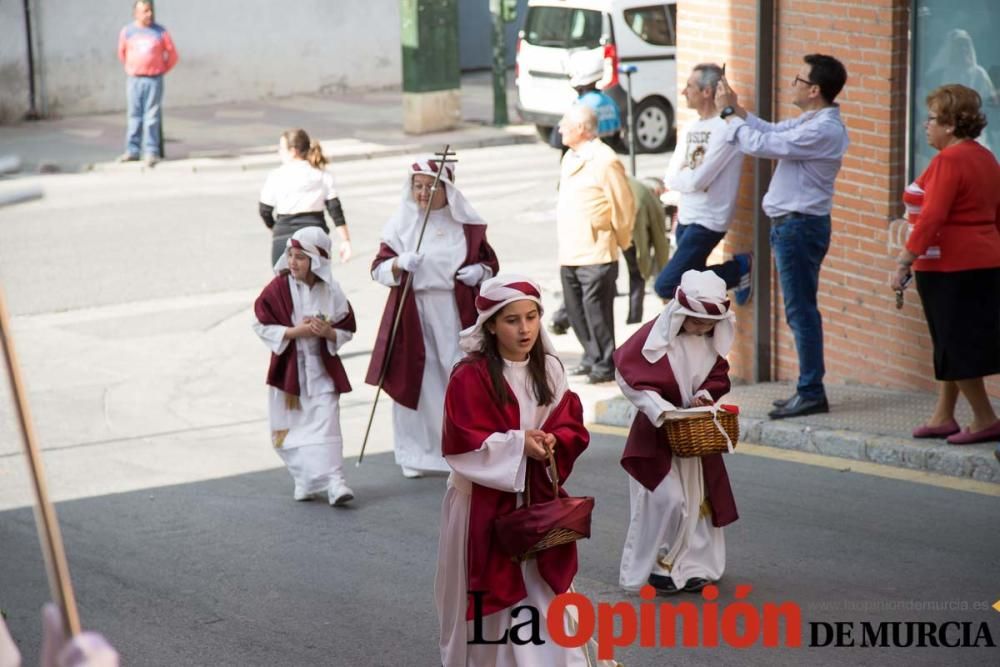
[594, 221]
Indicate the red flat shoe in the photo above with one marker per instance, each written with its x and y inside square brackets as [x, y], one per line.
[967, 437]
[941, 431]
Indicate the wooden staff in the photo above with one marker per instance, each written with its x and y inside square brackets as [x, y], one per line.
[443, 162]
[60, 586]
[45, 513]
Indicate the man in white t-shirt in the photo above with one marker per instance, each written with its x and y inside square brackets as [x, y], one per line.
[703, 178]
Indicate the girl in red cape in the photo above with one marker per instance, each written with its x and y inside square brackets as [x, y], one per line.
[506, 401]
[678, 505]
[303, 317]
[454, 259]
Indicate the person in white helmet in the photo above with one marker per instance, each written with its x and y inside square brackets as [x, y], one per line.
[586, 68]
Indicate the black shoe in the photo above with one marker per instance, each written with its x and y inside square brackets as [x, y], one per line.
[633, 320]
[663, 585]
[580, 370]
[799, 407]
[782, 402]
[695, 584]
[598, 378]
[558, 328]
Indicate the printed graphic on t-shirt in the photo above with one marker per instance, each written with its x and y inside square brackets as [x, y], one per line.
[697, 146]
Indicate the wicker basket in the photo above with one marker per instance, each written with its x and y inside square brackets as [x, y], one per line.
[553, 538]
[698, 434]
[534, 527]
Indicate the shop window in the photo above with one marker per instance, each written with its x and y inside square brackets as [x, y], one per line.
[954, 41]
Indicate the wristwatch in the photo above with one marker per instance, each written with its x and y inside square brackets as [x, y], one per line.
[727, 112]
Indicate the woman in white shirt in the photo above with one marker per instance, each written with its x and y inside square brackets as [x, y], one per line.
[295, 194]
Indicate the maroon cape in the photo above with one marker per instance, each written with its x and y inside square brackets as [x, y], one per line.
[406, 366]
[274, 306]
[647, 457]
[472, 414]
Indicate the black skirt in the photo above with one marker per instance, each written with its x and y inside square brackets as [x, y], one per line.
[963, 314]
[287, 225]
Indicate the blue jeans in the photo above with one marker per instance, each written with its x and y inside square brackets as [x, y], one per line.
[694, 244]
[143, 95]
[800, 243]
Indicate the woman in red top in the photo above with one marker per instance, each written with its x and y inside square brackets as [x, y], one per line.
[954, 248]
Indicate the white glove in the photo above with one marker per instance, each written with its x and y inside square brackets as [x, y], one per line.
[471, 275]
[409, 261]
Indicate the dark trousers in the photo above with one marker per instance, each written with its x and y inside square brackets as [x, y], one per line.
[636, 286]
[694, 244]
[589, 293]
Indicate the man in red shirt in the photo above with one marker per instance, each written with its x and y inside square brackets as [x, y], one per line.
[146, 50]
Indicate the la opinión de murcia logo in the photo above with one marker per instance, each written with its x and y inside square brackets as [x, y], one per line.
[738, 624]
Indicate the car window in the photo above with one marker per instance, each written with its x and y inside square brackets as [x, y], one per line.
[563, 27]
[653, 24]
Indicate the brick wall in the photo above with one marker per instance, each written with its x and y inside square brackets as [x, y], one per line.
[866, 339]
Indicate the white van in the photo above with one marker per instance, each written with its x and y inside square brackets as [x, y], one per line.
[635, 32]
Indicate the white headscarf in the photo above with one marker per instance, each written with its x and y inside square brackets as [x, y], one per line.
[701, 294]
[494, 294]
[314, 242]
[410, 213]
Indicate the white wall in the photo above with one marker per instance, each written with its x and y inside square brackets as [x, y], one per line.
[229, 50]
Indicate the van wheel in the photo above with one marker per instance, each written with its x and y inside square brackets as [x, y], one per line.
[544, 132]
[653, 123]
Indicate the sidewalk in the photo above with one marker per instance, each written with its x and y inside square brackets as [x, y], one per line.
[864, 424]
[244, 135]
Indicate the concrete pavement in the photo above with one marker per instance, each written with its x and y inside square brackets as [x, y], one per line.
[864, 424]
[350, 125]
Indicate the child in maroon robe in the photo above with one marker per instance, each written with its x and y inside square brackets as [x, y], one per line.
[505, 403]
[678, 505]
[303, 317]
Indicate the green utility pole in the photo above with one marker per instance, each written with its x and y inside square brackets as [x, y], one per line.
[502, 12]
[431, 78]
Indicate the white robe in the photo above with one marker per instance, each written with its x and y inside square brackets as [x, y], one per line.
[417, 433]
[499, 464]
[309, 439]
[668, 534]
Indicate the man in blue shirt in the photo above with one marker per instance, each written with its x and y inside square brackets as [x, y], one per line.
[809, 150]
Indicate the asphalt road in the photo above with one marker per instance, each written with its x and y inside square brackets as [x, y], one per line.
[233, 572]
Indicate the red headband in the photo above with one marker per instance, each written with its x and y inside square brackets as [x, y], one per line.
[527, 289]
[699, 306]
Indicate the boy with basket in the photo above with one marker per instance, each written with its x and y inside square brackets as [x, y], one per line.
[679, 504]
[512, 432]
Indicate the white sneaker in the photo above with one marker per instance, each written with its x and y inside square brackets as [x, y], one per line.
[410, 473]
[301, 495]
[340, 494]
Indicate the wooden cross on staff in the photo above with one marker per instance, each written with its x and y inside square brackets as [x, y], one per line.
[49, 535]
[444, 158]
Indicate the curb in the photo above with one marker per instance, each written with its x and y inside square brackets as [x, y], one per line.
[973, 462]
[250, 162]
